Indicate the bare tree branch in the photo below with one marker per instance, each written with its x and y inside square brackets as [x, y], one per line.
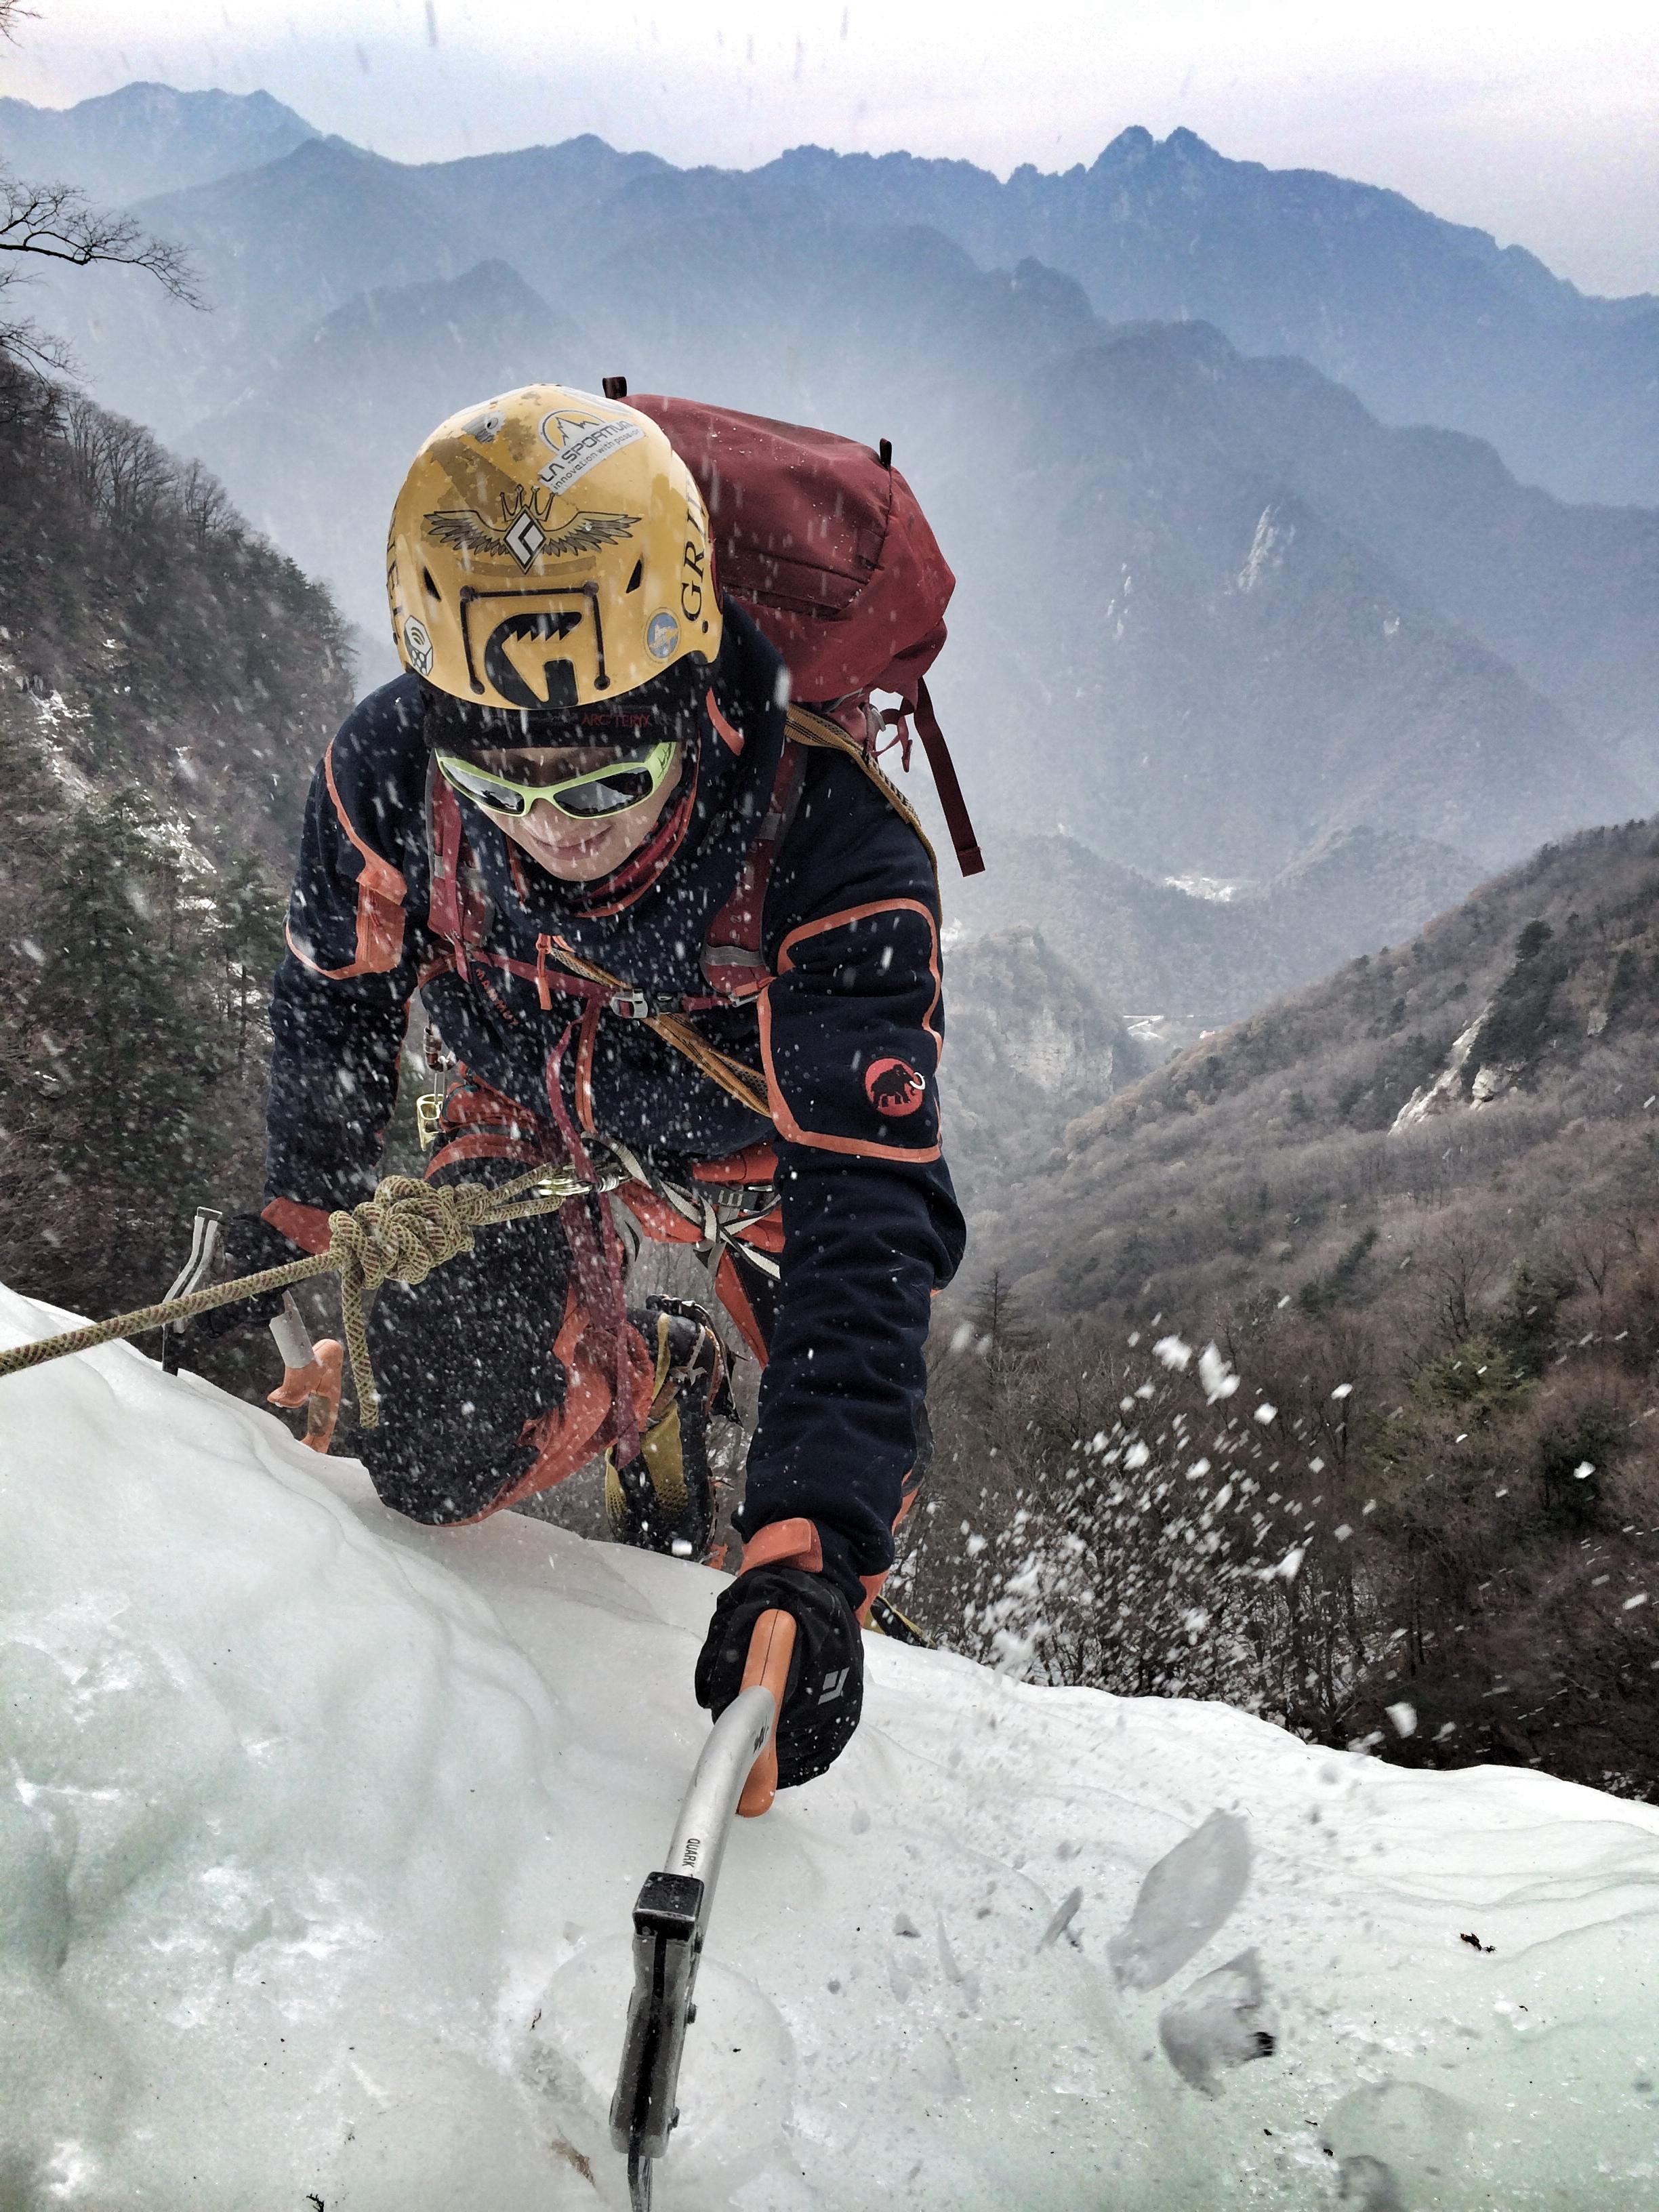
[13, 11]
[58, 223]
[24, 339]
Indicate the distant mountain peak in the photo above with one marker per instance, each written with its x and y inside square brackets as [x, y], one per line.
[145, 96]
[145, 139]
[1132, 145]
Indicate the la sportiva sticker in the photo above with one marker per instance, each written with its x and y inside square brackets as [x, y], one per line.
[417, 646]
[893, 1088]
[580, 442]
[662, 635]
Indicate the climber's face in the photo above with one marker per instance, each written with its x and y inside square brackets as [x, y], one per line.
[562, 812]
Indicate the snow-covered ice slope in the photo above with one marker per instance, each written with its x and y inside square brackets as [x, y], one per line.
[319, 1832]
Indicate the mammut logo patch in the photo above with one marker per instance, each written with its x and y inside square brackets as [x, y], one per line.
[893, 1088]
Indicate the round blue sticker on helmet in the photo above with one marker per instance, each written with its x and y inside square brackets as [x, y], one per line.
[662, 635]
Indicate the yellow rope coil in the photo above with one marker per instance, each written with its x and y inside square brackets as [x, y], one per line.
[400, 1235]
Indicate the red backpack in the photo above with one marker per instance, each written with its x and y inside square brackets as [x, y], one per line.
[825, 545]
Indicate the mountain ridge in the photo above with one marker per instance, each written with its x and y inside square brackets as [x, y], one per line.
[1153, 451]
[1429, 321]
[147, 138]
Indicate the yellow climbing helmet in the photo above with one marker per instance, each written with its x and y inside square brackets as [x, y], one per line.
[549, 551]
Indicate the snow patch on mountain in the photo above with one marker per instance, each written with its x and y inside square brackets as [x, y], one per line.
[1443, 1094]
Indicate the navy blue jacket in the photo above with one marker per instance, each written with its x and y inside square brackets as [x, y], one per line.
[847, 1036]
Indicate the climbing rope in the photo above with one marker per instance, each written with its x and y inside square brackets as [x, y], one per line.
[400, 1235]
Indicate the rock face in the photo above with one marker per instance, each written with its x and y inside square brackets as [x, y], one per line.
[1029, 1044]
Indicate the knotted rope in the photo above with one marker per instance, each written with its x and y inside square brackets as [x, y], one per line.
[400, 1235]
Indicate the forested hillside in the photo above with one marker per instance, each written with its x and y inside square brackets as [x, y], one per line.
[166, 683]
[1412, 1209]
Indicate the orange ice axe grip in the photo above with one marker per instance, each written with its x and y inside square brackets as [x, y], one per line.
[771, 1648]
[317, 1387]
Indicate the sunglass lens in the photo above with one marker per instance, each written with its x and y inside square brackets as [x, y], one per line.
[503, 798]
[626, 788]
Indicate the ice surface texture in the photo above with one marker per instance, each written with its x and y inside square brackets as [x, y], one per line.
[1216, 2024]
[319, 1834]
[1182, 1901]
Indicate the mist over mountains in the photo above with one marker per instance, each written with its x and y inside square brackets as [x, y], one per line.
[1427, 321]
[1215, 617]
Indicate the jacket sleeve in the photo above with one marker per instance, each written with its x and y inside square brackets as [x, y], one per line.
[850, 1036]
[340, 1004]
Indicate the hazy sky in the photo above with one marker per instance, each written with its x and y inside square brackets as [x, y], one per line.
[1538, 122]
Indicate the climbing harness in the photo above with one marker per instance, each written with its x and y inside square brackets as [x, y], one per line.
[718, 1213]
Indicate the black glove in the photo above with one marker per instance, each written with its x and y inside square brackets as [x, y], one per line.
[825, 1694]
[247, 1246]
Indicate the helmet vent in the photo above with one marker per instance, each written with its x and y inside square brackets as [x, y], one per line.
[432, 591]
[635, 581]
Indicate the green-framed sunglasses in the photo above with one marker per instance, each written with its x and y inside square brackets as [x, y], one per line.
[596, 792]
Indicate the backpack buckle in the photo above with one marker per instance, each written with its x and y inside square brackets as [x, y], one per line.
[630, 1005]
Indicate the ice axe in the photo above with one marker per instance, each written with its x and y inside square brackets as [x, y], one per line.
[310, 1373]
[737, 1772]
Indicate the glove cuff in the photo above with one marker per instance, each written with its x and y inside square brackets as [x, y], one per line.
[812, 1548]
[785, 1544]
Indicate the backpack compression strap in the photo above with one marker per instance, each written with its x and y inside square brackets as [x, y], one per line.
[807, 728]
[970, 859]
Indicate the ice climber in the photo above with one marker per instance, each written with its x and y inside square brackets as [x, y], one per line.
[653, 932]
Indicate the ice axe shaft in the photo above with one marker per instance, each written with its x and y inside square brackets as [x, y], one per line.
[671, 1915]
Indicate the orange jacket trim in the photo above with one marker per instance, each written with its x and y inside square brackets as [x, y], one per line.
[304, 1225]
[788, 1127]
[381, 891]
